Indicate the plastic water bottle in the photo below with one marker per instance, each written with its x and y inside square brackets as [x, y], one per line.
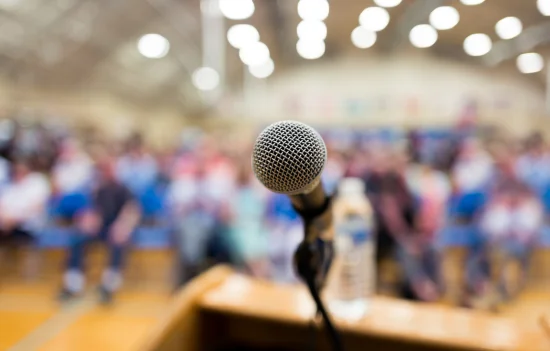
[351, 279]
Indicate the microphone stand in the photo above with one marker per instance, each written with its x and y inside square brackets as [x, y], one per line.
[312, 260]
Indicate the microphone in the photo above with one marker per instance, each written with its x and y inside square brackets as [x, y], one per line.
[288, 158]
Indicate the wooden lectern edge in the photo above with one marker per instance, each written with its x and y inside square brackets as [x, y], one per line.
[345, 327]
[180, 321]
[184, 302]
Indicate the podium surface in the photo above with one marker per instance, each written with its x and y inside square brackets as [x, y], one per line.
[222, 310]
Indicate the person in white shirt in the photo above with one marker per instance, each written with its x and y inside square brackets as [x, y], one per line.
[73, 170]
[23, 203]
[473, 168]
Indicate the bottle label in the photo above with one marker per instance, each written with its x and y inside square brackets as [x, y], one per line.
[354, 272]
[355, 228]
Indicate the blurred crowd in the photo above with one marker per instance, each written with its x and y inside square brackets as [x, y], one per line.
[457, 214]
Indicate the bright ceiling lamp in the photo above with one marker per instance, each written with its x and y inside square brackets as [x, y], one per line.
[374, 18]
[241, 35]
[544, 7]
[444, 17]
[312, 30]
[310, 49]
[237, 9]
[254, 54]
[508, 28]
[262, 71]
[471, 2]
[206, 78]
[423, 36]
[153, 46]
[387, 3]
[313, 9]
[477, 44]
[530, 63]
[363, 38]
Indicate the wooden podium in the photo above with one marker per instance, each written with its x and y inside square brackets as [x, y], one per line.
[222, 310]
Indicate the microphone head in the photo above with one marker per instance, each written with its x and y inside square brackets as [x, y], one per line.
[288, 158]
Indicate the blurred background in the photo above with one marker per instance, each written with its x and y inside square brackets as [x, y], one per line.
[127, 127]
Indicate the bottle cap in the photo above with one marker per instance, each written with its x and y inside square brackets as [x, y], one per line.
[351, 186]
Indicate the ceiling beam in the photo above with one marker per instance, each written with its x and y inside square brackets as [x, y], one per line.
[181, 19]
[530, 38]
[277, 16]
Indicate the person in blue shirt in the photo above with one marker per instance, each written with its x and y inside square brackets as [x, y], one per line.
[285, 233]
[247, 233]
[459, 242]
[137, 169]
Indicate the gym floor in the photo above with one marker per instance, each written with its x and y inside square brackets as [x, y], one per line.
[32, 319]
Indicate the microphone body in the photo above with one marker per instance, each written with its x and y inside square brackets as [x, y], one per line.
[288, 158]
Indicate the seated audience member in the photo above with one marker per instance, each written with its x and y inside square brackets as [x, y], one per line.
[334, 171]
[533, 167]
[136, 168]
[394, 214]
[23, 203]
[431, 189]
[73, 169]
[511, 222]
[71, 178]
[112, 216]
[197, 199]
[285, 233]
[248, 237]
[460, 241]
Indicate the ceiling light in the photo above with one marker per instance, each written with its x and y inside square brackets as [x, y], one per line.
[241, 35]
[262, 71]
[508, 28]
[206, 78]
[313, 9]
[254, 54]
[363, 38]
[310, 49]
[530, 63]
[387, 3]
[237, 9]
[471, 2]
[444, 17]
[312, 30]
[477, 44]
[153, 46]
[423, 36]
[374, 18]
[544, 7]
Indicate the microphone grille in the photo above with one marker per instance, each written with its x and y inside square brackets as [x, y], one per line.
[288, 157]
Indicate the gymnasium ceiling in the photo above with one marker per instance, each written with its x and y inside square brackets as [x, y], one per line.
[78, 44]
